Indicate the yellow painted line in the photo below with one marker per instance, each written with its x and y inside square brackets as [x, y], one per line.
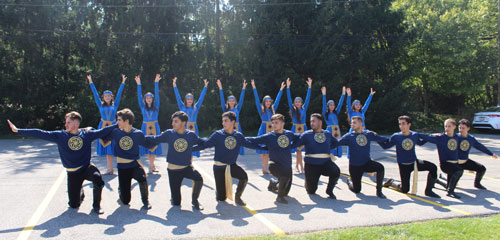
[484, 177]
[277, 231]
[418, 198]
[26, 232]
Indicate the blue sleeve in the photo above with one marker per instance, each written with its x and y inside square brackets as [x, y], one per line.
[339, 105]
[420, 141]
[51, 136]
[367, 103]
[481, 147]
[157, 96]
[119, 96]
[148, 143]
[96, 95]
[378, 138]
[222, 100]
[246, 143]
[204, 144]
[297, 140]
[308, 98]
[178, 98]
[277, 101]
[334, 143]
[289, 98]
[388, 143]
[349, 108]
[324, 108]
[103, 132]
[163, 138]
[139, 97]
[344, 140]
[242, 98]
[200, 100]
[257, 101]
[429, 138]
[257, 140]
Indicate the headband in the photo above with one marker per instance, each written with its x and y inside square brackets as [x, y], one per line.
[356, 101]
[107, 92]
[149, 95]
[231, 97]
[330, 102]
[298, 98]
[189, 96]
[267, 98]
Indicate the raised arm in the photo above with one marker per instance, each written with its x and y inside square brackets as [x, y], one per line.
[202, 95]
[157, 92]
[221, 95]
[341, 101]
[242, 96]
[348, 104]
[120, 91]
[139, 92]
[256, 96]
[97, 99]
[308, 96]
[324, 109]
[278, 97]
[288, 94]
[177, 95]
[368, 101]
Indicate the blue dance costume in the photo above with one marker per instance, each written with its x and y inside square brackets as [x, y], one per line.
[150, 124]
[237, 110]
[108, 117]
[351, 113]
[192, 112]
[332, 122]
[265, 117]
[299, 125]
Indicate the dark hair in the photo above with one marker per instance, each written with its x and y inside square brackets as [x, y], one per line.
[227, 103]
[328, 109]
[152, 103]
[126, 114]
[405, 118]
[318, 116]
[452, 121]
[352, 106]
[278, 117]
[104, 103]
[180, 115]
[73, 116]
[295, 111]
[230, 115]
[358, 118]
[263, 106]
[465, 122]
[185, 102]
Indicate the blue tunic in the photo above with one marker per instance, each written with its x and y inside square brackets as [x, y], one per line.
[179, 145]
[266, 116]
[108, 113]
[150, 115]
[302, 111]
[279, 146]
[317, 143]
[351, 113]
[359, 146]
[236, 110]
[74, 150]
[332, 119]
[405, 146]
[466, 143]
[192, 112]
[447, 146]
[127, 146]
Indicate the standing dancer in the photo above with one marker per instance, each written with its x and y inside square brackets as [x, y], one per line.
[447, 146]
[233, 106]
[355, 109]
[298, 112]
[227, 142]
[190, 107]
[180, 142]
[75, 148]
[331, 115]
[108, 109]
[360, 161]
[266, 110]
[407, 159]
[150, 106]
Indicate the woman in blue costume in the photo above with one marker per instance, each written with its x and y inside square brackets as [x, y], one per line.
[331, 115]
[108, 109]
[233, 106]
[190, 107]
[266, 110]
[298, 112]
[355, 109]
[150, 107]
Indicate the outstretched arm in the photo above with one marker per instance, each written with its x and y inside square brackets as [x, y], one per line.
[479, 146]
[51, 136]
[94, 91]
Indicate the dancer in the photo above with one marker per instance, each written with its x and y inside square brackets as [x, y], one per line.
[407, 159]
[233, 106]
[227, 142]
[266, 110]
[331, 115]
[279, 143]
[180, 142]
[107, 109]
[298, 112]
[74, 147]
[190, 107]
[150, 106]
[355, 109]
[360, 160]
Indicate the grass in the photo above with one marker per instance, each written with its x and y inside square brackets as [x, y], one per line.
[486, 227]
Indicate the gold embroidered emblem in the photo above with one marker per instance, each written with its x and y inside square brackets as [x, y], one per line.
[464, 145]
[75, 143]
[320, 137]
[407, 144]
[180, 145]
[361, 140]
[283, 141]
[230, 142]
[452, 144]
[126, 143]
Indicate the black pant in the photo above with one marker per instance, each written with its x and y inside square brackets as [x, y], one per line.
[313, 172]
[75, 181]
[175, 178]
[473, 166]
[125, 179]
[452, 168]
[284, 175]
[356, 173]
[406, 169]
[220, 180]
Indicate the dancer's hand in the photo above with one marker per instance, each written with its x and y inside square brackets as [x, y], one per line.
[348, 90]
[495, 156]
[288, 82]
[372, 92]
[206, 82]
[219, 84]
[253, 83]
[157, 78]
[309, 82]
[12, 126]
[174, 81]
[124, 78]
[282, 86]
[244, 84]
[138, 80]
[89, 78]
[323, 90]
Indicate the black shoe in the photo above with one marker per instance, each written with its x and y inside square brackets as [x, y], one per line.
[453, 195]
[272, 187]
[238, 201]
[146, 206]
[431, 194]
[388, 183]
[98, 210]
[197, 205]
[479, 186]
[119, 201]
[331, 195]
[381, 195]
[281, 200]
